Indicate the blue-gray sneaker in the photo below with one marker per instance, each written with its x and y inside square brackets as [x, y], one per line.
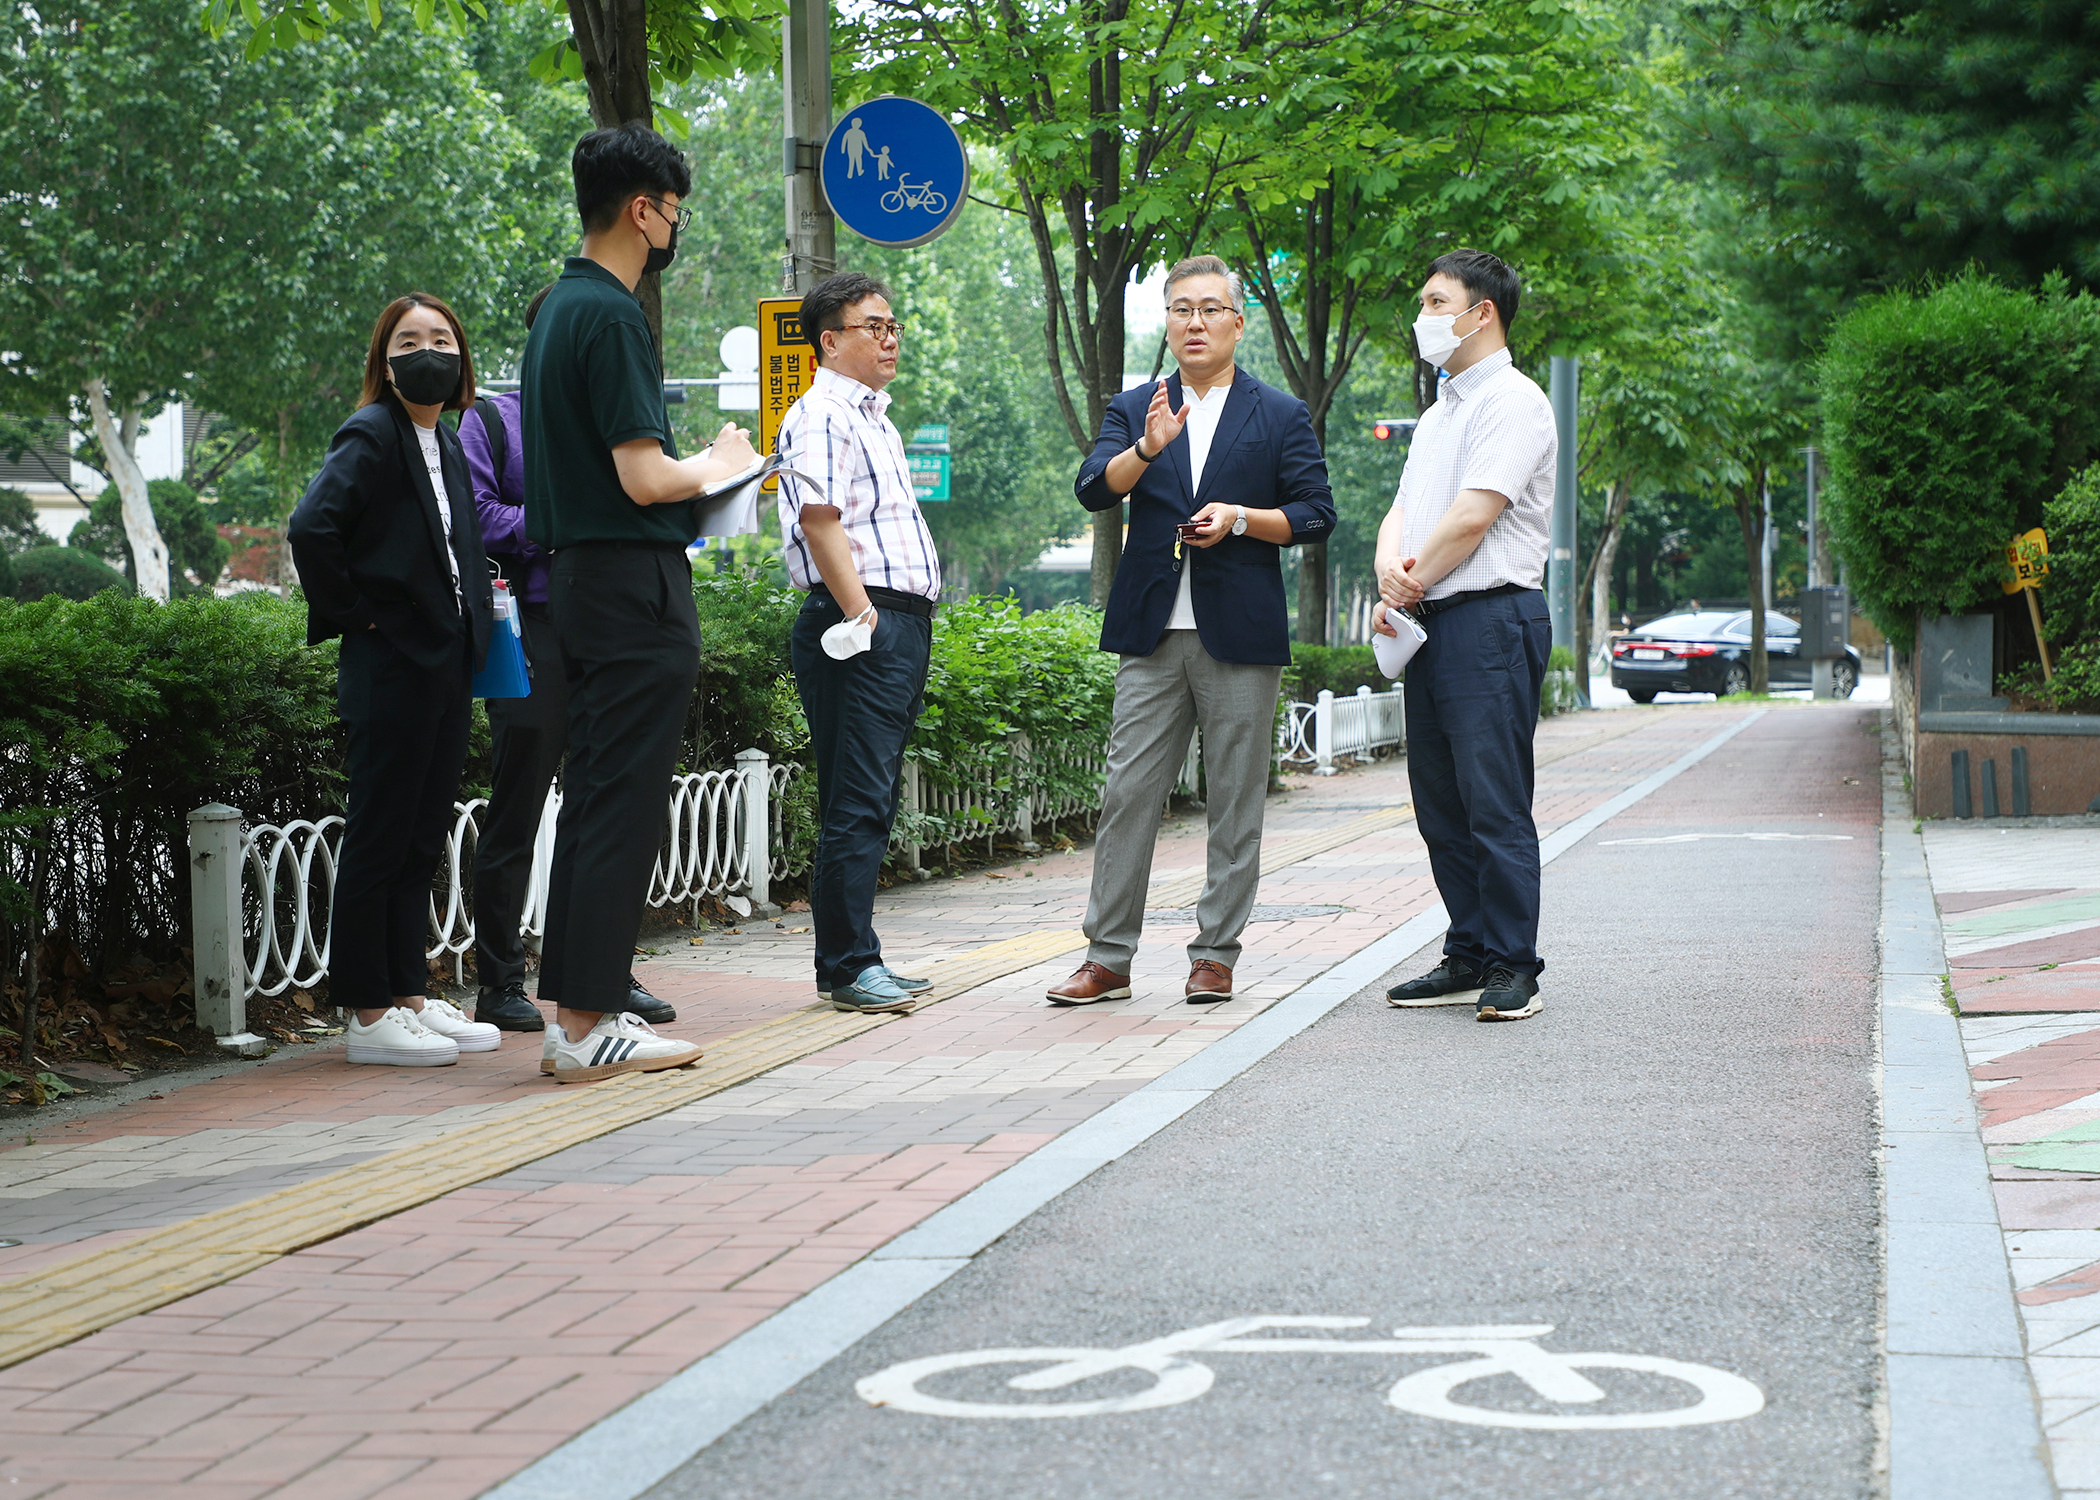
[908, 985]
[873, 992]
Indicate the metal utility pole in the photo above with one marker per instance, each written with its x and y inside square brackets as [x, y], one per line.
[1815, 528]
[805, 96]
[1766, 550]
[1560, 563]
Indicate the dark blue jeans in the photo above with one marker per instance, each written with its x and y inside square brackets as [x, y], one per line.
[1472, 705]
[861, 712]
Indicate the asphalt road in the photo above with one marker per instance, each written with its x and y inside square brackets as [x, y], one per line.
[1675, 1159]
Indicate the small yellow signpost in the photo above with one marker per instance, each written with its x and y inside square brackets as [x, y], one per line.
[2028, 555]
[786, 367]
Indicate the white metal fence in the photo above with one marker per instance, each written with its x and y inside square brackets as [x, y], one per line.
[260, 896]
[977, 803]
[1315, 733]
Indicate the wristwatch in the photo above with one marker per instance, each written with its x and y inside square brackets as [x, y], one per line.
[1239, 522]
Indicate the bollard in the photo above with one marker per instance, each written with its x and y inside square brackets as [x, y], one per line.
[2021, 806]
[1323, 733]
[755, 770]
[1987, 781]
[1960, 766]
[218, 940]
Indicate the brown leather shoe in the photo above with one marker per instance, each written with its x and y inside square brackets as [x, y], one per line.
[1091, 982]
[1208, 983]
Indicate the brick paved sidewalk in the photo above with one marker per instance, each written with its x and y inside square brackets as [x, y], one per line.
[438, 1351]
[2019, 909]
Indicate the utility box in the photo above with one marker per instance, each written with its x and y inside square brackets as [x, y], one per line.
[1826, 623]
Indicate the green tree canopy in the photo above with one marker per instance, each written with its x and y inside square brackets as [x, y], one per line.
[196, 554]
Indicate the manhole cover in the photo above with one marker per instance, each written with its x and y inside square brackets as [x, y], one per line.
[1259, 914]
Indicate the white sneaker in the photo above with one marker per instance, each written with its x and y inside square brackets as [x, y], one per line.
[547, 1048]
[617, 1044]
[399, 1039]
[446, 1019]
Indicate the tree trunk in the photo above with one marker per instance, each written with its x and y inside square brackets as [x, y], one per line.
[1602, 562]
[612, 37]
[118, 435]
[1750, 512]
[1312, 569]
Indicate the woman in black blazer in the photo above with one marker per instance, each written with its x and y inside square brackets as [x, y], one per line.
[388, 548]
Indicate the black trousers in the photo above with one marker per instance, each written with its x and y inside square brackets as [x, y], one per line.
[861, 712]
[630, 646]
[527, 738]
[408, 744]
[1472, 707]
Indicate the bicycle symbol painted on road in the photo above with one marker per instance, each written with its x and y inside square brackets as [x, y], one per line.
[904, 195]
[1498, 1349]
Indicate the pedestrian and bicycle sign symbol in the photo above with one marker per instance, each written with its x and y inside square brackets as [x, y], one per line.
[1497, 1349]
[895, 171]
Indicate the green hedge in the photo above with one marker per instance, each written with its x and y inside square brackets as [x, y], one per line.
[119, 716]
[1339, 669]
[65, 571]
[1949, 418]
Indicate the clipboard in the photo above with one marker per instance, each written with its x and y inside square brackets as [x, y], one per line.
[731, 508]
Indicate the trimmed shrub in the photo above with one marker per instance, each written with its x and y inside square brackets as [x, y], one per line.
[1339, 669]
[66, 572]
[1949, 418]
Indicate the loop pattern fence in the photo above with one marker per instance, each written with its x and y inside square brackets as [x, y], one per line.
[1359, 725]
[263, 929]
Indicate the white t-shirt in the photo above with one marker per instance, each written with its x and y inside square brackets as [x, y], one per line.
[427, 439]
[1204, 412]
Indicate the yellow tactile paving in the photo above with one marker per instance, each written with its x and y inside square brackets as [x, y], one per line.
[72, 1298]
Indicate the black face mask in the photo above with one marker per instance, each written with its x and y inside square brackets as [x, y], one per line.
[659, 261]
[428, 377]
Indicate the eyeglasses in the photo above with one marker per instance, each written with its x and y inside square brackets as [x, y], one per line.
[1209, 312]
[677, 218]
[879, 329]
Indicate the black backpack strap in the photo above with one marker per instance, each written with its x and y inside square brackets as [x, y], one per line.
[499, 440]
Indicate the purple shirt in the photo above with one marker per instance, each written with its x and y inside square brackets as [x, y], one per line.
[501, 502]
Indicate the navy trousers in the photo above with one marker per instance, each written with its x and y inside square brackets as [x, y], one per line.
[1472, 706]
[861, 712]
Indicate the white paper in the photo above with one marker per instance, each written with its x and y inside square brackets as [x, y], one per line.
[1395, 652]
[731, 508]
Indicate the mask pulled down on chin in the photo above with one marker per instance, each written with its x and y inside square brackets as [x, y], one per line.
[849, 638]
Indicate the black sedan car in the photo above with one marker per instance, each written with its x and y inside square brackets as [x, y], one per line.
[1710, 653]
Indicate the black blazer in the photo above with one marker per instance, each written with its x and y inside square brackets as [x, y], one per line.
[370, 546]
[1264, 456]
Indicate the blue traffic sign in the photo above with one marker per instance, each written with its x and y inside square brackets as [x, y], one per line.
[895, 171]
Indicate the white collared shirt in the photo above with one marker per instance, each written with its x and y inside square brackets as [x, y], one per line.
[1490, 429]
[840, 435]
[1202, 426]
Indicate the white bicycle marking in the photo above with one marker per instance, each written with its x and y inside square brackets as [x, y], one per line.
[1762, 838]
[1499, 1349]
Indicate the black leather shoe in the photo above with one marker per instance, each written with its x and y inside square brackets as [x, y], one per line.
[1452, 982]
[645, 1005]
[507, 1009]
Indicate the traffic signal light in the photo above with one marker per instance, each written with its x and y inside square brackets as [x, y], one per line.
[1392, 427]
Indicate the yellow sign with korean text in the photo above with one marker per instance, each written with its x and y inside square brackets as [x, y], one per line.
[786, 366]
[2028, 556]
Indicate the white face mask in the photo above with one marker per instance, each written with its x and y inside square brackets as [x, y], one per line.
[850, 637]
[1434, 338]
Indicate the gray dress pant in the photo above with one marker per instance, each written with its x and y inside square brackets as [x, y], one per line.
[1159, 699]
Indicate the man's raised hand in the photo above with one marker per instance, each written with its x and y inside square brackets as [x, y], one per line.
[1162, 423]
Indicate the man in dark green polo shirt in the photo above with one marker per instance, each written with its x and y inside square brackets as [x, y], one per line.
[606, 490]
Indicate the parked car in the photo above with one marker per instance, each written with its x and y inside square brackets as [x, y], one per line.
[1709, 652]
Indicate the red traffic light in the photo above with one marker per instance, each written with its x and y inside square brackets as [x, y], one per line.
[1381, 430]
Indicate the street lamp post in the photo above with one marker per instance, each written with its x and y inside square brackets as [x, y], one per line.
[1560, 562]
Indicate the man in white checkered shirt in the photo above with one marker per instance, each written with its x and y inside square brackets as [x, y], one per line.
[856, 543]
[1464, 549]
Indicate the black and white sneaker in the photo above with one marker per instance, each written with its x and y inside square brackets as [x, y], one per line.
[1452, 982]
[1508, 995]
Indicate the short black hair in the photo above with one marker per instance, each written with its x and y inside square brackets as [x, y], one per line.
[822, 303]
[532, 308]
[610, 166]
[1483, 276]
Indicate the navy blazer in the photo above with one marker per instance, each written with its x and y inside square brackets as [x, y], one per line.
[370, 546]
[1264, 456]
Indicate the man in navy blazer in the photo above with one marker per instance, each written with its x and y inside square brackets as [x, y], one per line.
[1222, 473]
